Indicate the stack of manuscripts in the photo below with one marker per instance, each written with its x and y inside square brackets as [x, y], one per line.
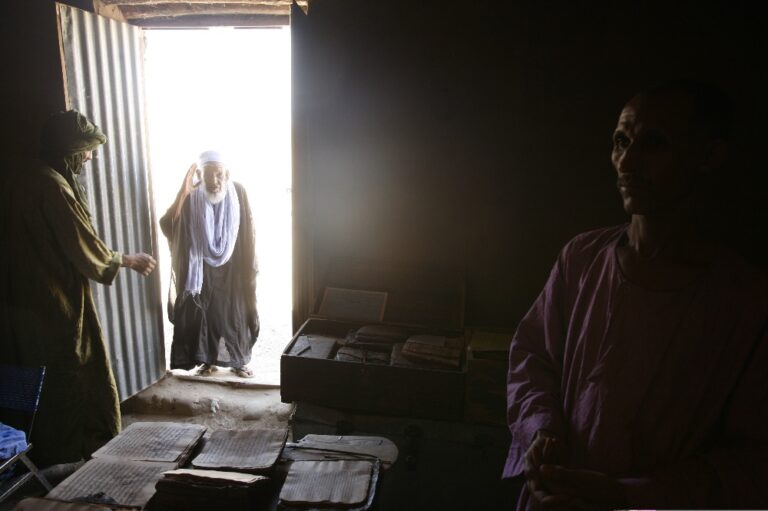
[371, 344]
[207, 490]
[229, 473]
[429, 350]
[123, 473]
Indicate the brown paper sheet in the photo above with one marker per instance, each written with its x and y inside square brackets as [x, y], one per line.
[167, 442]
[112, 481]
[338, 482]
[254, 450]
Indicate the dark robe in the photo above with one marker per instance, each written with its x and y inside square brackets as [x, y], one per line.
[48, 316]
[220, 325]
[665, 390]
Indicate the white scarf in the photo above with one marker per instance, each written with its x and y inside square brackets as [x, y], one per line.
[213, 233]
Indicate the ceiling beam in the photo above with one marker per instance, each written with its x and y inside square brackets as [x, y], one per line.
[163, 10]
[213, 21]
[109, 11]
[148, 3]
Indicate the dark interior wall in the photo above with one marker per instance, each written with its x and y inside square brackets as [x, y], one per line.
[475, 136]
[32, 86]
[479, 135]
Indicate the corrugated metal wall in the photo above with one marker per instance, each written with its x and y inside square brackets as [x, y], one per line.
[103, 62]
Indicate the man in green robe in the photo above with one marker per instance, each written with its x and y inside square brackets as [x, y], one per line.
[47, 314]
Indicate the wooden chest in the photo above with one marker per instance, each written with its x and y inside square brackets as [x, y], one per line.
[418, 301]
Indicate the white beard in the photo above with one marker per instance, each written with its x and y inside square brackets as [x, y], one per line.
[215, 198]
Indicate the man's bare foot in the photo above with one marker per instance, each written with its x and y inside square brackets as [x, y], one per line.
[243, 372]
[206, 370]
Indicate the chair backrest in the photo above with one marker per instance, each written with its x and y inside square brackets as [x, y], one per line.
[20, 389]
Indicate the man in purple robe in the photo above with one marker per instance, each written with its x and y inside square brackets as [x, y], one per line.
[639, 378]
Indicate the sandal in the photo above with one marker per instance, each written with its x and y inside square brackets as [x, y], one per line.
[206, 370]
[243, 372]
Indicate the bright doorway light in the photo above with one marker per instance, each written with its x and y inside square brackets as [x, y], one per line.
[229, 89]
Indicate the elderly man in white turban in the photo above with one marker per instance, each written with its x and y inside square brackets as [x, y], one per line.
[212, 297]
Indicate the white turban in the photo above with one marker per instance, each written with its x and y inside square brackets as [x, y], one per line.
[209, 156]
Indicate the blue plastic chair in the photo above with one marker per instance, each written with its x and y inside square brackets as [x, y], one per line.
[19, 396]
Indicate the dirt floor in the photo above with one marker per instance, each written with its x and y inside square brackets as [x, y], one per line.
[220, 401]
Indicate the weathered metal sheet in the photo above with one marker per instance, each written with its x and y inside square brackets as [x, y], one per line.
[103, 61]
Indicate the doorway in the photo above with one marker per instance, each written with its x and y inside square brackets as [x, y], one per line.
[228, 89]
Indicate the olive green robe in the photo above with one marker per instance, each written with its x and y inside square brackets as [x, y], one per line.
[48, 317]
